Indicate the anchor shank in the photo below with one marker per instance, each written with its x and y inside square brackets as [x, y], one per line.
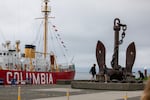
[116, 50]
[116, 44]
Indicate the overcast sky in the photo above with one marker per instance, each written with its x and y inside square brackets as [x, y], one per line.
[81, 24]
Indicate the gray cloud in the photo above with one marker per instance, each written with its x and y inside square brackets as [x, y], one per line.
[81, 23]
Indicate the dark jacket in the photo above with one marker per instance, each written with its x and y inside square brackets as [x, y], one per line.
[141, 75]
[93, 70]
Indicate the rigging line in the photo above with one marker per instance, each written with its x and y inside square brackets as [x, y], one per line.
[34, 32]
[52, 38]
[40, 42]
[38, 38]
[41, 39]
[38, 31]
[61, 42]
[61, 47]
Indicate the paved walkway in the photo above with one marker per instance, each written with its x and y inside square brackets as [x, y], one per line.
[105, 95]
[58, 92]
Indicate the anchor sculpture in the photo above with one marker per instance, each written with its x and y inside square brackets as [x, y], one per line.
[117, 72]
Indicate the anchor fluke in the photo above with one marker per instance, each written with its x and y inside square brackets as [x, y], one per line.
[100, 55]
[130, 57]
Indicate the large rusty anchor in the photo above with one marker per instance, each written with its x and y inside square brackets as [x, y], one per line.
[116, 72]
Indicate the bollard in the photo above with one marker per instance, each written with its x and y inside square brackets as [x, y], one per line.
[67, 94]
[125, 97]
[19, 97]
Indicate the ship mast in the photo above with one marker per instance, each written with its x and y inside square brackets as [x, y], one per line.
[46, 12]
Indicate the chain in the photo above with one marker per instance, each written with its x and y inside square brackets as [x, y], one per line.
[124, 28]
[117, 27]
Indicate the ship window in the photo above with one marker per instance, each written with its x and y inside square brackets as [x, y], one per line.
[15, 54]
[4, 54]
[7, 54]
[0, 53]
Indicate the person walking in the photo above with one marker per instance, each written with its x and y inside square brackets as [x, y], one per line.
[93, 72]
[141, 75]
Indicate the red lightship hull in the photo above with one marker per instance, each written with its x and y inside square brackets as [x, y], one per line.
[9, 77]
